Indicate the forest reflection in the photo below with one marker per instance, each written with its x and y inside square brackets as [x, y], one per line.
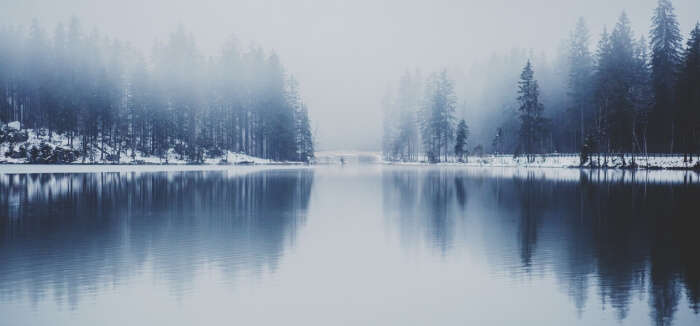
[609, 241]
[622, 237]
[68, 235]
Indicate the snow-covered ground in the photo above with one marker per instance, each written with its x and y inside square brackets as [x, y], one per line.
[573, 161]
[35, 139]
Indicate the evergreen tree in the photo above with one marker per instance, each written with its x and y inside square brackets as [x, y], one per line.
[437, 117]
[622, 74]
[603, 94]
[58, 85]
[109, 102]
[498, 141]
[580, 72]
[407, 103]
[665, 58]
[400, 125]
[303, 137]
[461, 140]
[35, 78]
[642, 97]
[138, 106]
[532, 122]
[305, 141]
[688, 95]
[280, 135]
[390, 122]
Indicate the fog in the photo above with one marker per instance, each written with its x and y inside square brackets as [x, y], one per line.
[346, 54]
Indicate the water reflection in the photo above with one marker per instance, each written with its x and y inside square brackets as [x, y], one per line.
[474, 246]
[624, 235]
[69, 235]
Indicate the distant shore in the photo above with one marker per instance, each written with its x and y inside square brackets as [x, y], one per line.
[561, 161]
[626, 161]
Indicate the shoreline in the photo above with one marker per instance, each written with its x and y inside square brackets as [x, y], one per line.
[568, 174]
[570, 161]
[25, 168]
[535, 166]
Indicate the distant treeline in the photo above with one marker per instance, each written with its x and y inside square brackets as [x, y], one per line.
[629, 95]
[109, 100]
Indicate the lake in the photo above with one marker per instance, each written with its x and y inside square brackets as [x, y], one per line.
[350, 245]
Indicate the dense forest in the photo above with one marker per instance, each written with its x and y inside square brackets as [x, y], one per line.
[109, 102]
[628, 94]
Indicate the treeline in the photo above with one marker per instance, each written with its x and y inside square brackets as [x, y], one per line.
[111, 102]
[628, 95]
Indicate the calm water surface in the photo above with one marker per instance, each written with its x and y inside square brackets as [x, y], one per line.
[365, 245]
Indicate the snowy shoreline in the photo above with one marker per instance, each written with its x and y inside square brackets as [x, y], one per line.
[561, 174]
[29, 147]
[571, 161]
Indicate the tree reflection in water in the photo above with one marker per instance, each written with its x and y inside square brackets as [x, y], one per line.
[71, 234]
[626, 236]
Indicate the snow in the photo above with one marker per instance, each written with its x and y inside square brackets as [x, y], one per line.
[14, 125]
[37, 138]
[573, 161]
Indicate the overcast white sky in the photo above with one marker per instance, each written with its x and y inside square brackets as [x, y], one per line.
[345, 53]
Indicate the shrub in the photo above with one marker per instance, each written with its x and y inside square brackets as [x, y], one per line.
[34, 154]
[11, 135]
[46, 153]
[215, 152]
[478, 150]
[22, 153]
[10, 151]
[63, 155]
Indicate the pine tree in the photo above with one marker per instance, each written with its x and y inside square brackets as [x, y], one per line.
[532, 123]
[437, 117]
[58, 83]
[400, 140]
[688, 95]
[140, 114]
[622, 74]
[389, 126]
[642, 98]
[406, 104]
[280, 127]
[305, 142]
[598, 142]
[35, 87]
[665, 58]
[579, 79]
[303, 136]
[108, 101]
[498, 141]
[461, 140]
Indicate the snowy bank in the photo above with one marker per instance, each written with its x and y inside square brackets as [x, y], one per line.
[626, 161]
[31, 146]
